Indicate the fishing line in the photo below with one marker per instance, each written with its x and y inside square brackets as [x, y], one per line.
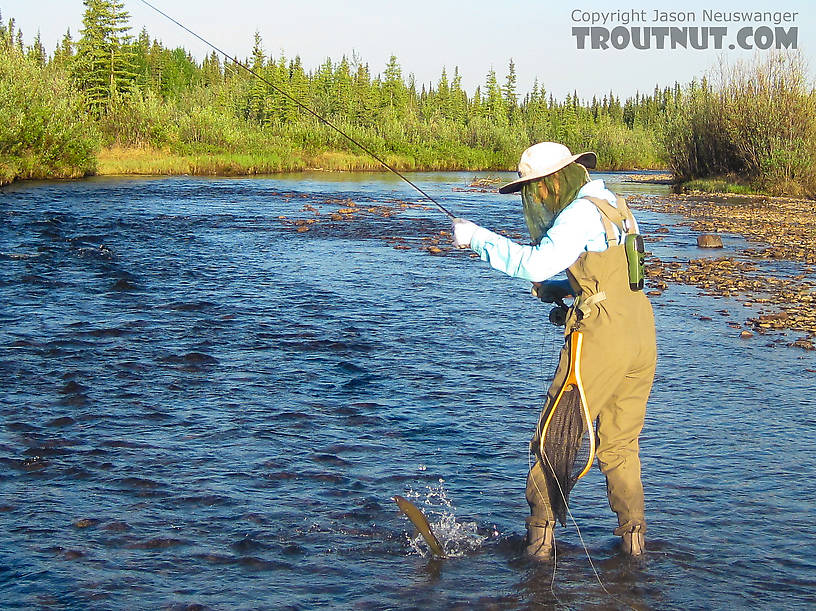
[581, 537]
[302, 106]
[550, 360]
[555, 546]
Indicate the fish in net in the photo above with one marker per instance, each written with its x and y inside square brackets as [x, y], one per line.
[566, 446]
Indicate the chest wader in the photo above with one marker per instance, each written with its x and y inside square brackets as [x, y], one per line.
[617, 365]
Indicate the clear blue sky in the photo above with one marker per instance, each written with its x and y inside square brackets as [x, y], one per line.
[426, 35]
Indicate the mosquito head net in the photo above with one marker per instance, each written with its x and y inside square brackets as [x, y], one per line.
[544, 198]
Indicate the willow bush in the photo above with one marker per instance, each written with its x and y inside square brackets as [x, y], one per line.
[756, 121]
[139, 120]
[44, 130]
[621, 148]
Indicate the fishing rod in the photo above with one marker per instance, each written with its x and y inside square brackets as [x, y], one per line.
[301, 105]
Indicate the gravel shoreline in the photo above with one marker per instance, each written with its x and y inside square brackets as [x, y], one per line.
[783, 229]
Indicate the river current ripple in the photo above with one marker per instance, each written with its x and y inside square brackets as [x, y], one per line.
[202, 407]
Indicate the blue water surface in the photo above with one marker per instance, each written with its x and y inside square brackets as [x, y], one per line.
[202, 406]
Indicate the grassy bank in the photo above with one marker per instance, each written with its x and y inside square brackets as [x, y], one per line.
[120, 161]
[157, 162]
[164, 162]
[726, 184]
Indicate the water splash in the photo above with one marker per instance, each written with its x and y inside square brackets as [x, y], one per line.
[457, 538]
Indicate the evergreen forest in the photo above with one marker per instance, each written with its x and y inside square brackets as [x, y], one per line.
[111, 101]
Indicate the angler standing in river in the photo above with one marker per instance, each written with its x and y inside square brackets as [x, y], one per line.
[577, 225]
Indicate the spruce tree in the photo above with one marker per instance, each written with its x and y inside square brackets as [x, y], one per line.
[442, 98]
[394, 92]
[279, 108]
[256, 96]
[103, 66]
[140, 59]
[342, 88]
[36, 52]
[8, 35]
[458, 99]
[412, 97]
[510, 96]
[155, 66]
[298, 89]
[476, 108]
[494, 102]
[323, 89]
[365, 101]
[64, 53]
[211, 70]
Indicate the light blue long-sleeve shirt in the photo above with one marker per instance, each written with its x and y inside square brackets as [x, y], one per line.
[577, 229]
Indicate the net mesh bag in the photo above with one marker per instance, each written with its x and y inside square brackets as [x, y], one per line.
[565, 450]
[567, 439]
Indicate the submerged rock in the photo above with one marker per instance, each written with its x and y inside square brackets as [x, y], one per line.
[709, 240]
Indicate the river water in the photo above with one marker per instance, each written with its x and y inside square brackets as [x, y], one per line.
[201, 406]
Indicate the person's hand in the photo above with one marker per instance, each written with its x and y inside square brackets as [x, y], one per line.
[551, 292]
[463, 232]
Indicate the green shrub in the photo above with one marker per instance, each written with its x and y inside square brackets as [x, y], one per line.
[44, 130]
[758, 121]
[139, 120]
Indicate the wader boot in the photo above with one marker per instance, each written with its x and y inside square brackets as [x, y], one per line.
[632, 542]
[618, 360]
[541, 541]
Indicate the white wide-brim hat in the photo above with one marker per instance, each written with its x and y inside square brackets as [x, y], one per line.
[543, 159]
